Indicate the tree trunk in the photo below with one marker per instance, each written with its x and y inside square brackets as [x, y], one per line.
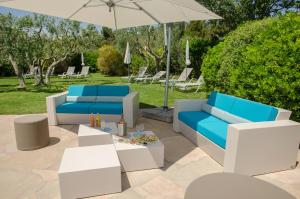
[40, 78]
[157, 64]
[50, 68]
[48, 73]
[18, 72]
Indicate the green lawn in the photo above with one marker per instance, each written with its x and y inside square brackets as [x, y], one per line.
[32, 100]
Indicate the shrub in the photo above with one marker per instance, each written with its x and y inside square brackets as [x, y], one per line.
[259, 61]
[136, 62]
[90, 59]
[110, 61]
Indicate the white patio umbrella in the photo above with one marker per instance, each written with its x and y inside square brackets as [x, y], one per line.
[82, 59]
[127, 59]
[119, 14]
[187, 54]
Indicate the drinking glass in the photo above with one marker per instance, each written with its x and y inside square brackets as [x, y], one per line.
[139, 128]
[103, 125]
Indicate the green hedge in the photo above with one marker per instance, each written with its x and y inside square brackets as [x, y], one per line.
[259, 61]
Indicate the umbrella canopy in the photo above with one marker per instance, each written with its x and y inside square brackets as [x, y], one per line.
[117, 14]
[187, 54]
[127, 58]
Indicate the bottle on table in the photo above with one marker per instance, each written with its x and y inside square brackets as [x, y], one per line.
[98, 120]
[122, 127]
[92, 120]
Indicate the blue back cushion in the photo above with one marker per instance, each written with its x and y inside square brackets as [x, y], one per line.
[221, 101]
[250, 110]
[81, 90]
[253, 111]
[117, 91]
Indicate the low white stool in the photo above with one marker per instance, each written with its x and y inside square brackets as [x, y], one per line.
[89, 171]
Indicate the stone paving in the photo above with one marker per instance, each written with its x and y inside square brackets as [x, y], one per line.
[33, 174]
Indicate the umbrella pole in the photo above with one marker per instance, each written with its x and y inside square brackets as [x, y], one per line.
[128, 73]
[166, 98]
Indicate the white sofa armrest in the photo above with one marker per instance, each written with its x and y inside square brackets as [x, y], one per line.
[262, 147]
[131, 108]
[52, 102]
[283, 114]
[185, 105]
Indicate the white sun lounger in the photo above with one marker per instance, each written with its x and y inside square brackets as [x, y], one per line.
[154, 78]
[184, 86]
[69, 72]
[182, 78]
[84, 72]
[141, 74]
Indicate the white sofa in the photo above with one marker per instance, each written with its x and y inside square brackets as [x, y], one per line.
[75, 105]
[250, 148]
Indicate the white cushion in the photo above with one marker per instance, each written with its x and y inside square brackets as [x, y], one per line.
[228, 117]
[109, 99]
[81, 98]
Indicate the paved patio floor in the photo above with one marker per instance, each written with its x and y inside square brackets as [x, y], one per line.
[33, 174]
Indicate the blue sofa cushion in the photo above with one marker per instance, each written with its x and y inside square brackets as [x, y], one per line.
[192, 118]
[214, 131]
[250, 110]
[113, 108]
[208, 125]
[74, 108]
[221, 101]
[117, 91]
[253, 111]
[80, 93]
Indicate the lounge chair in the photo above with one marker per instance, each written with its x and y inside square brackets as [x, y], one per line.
[84, 72]
[141, 74]
[69, 72]
[154, 78]
[185, 86]
[182, 78]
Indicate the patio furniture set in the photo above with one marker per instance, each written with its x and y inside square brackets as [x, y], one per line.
[244, 136]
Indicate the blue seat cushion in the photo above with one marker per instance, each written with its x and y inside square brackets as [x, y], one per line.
[74, 108]
[214, 131]
[192, 118]
[208, 125]
[109, 90]
[113, 108]
[253, 111]
[221, 101]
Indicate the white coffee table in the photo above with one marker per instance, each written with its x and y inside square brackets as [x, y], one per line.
[89, 136]
[89, 171]
[135, 157]
[132, 157]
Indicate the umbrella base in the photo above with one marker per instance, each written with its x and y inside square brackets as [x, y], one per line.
[161, 114]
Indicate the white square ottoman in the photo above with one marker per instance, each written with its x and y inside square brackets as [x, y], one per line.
[89, 136]
[89, 171]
